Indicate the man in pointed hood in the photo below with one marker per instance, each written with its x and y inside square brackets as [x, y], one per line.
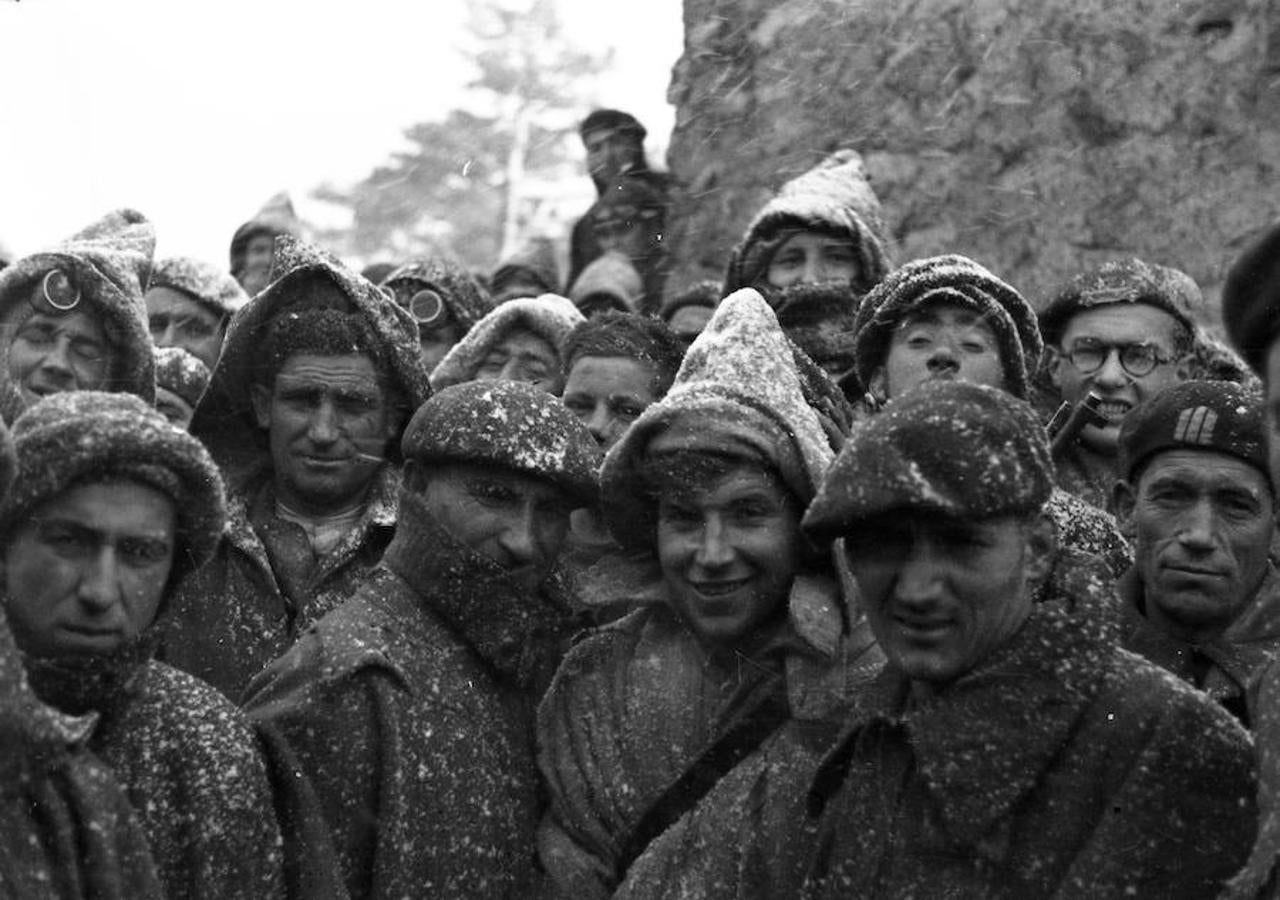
[73, 318]
[443, 298]
[251, 245]
[317, 379]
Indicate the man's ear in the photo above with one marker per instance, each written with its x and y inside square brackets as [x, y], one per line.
[1125, 499]
[1053, 365]
[1042, 548]
[879, 385]
[260, 398]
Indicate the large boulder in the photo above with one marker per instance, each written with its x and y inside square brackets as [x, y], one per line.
[1038, 138]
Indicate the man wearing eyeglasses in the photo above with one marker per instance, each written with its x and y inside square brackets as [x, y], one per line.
[443, 299]
[1121, 333]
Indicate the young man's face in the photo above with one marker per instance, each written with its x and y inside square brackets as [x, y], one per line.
[607, 393]
[87, 572]
[177, 320]
[514, 519]
[811, 257]
[941, 342]
[1112, 328]
[523, 356]
[328, 421]
[1202, 523]
[612, 153]
[53, 352]
[729, 552]
[942, 594]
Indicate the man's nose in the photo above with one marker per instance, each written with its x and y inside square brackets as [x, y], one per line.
[99, 586]
[713, 544]
[324, 424]
[919, 579]
[1197, 525]
[518, 538]
[1111, 372]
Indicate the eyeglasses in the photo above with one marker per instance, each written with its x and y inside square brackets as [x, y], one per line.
[1136, 359]
[426, 305]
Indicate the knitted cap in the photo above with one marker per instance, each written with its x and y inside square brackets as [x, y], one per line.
[110, 263]
[834, 195]
[738, 392]
[951, 279]
[1123, 281]
[177, 370]
[1195, 415]
[1251, 299]
[201, 281]
[615, 119]
[958, 449]
[224, 420]
[467, 301]
[549, 316]
[612, 275]
[83, 437]
[509, 424]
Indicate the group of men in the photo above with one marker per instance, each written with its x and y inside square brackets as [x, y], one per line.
[869, 580]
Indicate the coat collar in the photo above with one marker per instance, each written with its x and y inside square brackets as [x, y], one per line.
[1240, 652]
[515, 631]
[982, 744]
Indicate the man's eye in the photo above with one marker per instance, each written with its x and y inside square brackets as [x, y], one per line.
[143, 551]
[36, 335]
[627, 410]
[974, 347]
[89, 351]
[67, 541]
[682, 516]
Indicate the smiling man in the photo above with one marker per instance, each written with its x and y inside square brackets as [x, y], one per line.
[72, 317]
[411, 704]
[1009, 748]
[317, 378]
[1202, 599]
[1124, 332]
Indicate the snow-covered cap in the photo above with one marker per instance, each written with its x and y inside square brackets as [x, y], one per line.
[509, 424]
[202, 282]
[958, 449]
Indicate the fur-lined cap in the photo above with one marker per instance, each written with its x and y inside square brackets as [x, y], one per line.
[202, 282]
[958, 449]
[951, 279]
[834, 196]
[549, 316]
[508, 424]
[85, 437]
[738, 393]
[467, 301]
[1123, 281]
[224, 419]
[110, 262]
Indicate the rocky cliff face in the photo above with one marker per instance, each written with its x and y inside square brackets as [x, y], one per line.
[1038, 138]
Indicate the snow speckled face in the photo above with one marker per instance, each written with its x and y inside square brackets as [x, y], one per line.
[176, 320]
[86, 573]
[942, 594]
[607, 393]
[523, 356]
[51, 352]
[728, 553]
[811, 257]
[514, 519]
[943, 341]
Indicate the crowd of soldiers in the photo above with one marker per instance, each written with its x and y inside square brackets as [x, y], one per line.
[844, 577]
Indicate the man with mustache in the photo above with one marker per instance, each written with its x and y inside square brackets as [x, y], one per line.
[1202, 599]
[303, 415]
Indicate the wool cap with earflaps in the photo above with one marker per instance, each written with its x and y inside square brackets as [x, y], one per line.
[738, 393]
[549, 316]
[948, 279]
[466, 300]
[1123, 281]
[611, 275]
[1195, 415]
[224, 419]
[508, 424]
[958, 449]
[87, 437]
[177, 370]
[833, 196]
[109, 262]
[201, 281]
[1251, 299]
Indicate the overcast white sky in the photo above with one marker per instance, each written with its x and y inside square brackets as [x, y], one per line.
[196, 112]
